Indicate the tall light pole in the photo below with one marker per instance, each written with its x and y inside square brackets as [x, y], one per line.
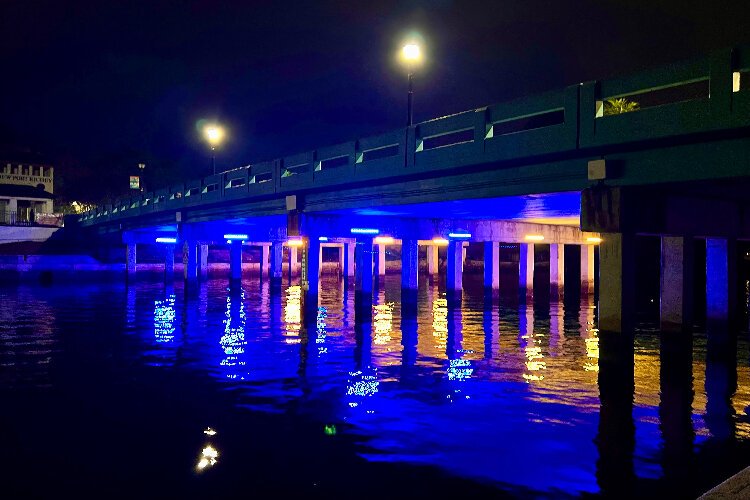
[141, 169]
[411, 56]
[214, 135]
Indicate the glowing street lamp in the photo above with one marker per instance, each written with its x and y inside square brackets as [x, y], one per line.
[411, 56]
[214, 135]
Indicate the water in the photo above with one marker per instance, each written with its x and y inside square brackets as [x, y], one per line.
[115, 390]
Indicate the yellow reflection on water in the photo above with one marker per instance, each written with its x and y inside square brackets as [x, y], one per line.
[383, 323]
[440, 323]
[590, 335]
[293, 314]
[535, 363]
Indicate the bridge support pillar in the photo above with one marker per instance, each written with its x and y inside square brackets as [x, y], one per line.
[380, 261]
[491, 265]
[454, 279]
[676, 290]
[409, 276]
[363, 257]
[463, 256]
[432, 259]
[348, 252]
[587, 269]
[168, 262]
[203, 258]
[342, 264]
[556, 269]
[721, 282]
[235, 260]
[265, 261]
[276, 257]
[310, 273]
[293, 263]
[130, 259]
[617, 283]
[190, 261]
[526, 270]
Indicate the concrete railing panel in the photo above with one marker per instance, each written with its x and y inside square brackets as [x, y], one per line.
[297, 171]
[235, 184]
[334, 164]
[261, 179]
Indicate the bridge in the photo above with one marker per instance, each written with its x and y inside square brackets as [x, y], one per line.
[665, 152]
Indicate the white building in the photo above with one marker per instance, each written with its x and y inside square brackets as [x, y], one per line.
[26, 193]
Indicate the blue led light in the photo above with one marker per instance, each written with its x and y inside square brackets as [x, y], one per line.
[459, 236]
[364, 230]
[166, 240]
[230, 237]
[323, 238]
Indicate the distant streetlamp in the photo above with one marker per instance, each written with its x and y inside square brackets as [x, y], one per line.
[214, 135]
[411, 56]
[141, 168]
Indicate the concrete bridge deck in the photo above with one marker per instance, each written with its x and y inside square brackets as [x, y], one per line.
[555, 169]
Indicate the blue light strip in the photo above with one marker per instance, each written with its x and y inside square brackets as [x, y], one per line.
[364, 230]
[235, 236]
[323, 238]
[166, 240]
[459, 235]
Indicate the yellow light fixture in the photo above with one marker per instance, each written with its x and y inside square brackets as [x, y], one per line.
[383, 240]
[594, 240]
[534, 237]
[440, 241]
[295, 242]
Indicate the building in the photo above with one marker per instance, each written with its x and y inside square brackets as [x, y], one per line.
[26, 193]
[26, 207]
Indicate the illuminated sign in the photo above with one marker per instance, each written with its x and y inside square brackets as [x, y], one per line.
[135, 182]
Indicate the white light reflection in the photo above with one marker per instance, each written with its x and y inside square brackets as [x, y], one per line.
[460, 369]
[362, 385]
[320, 330]
[208, 458]
[164, 316]
[233, 341]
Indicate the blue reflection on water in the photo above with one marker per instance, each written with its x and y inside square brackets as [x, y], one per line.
[477, 392]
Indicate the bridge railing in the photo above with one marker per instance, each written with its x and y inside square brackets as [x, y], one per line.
[702, 95]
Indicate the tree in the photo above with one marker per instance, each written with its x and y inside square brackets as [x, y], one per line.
[619, 105]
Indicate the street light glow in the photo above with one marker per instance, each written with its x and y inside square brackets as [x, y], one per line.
[411, 53]
[214, 135]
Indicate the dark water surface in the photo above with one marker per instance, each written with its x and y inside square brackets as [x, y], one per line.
[109, 390]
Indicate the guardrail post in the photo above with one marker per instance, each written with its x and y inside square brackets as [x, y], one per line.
[586, 114]
[720, 87]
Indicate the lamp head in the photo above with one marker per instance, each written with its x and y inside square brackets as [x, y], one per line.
[214, 135]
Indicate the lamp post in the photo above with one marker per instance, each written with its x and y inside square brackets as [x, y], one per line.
[214, 135]
[411, 55]
[141, 169]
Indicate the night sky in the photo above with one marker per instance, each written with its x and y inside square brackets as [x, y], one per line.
[95, 88]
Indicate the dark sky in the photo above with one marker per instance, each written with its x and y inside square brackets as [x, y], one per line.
[97, 87]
